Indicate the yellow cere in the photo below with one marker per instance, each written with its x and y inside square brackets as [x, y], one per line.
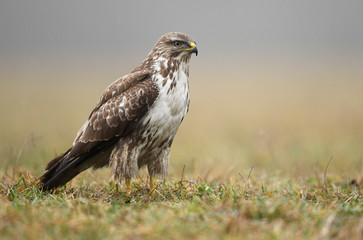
[192, 45]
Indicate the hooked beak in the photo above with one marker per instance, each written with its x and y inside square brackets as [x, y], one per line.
[193, 49]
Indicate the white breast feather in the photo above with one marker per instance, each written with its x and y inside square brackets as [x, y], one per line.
[170, 107]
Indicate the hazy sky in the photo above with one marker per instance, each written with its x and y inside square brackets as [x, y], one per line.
[43, 29]
[257, 51]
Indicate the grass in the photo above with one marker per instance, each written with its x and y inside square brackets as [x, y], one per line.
[246, 208]
[263, 158]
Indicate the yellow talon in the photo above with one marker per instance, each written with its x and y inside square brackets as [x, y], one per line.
[152, 187]
[128, 187]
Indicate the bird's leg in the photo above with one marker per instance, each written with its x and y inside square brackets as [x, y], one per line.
[128, 187]
[152, 187]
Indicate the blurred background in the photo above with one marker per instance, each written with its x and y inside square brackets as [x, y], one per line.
[277, 85]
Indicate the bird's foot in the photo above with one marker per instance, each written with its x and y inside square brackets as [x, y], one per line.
[128, 188]
[152, 187]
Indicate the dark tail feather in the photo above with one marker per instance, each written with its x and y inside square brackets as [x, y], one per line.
[68, 165]
[61, 170]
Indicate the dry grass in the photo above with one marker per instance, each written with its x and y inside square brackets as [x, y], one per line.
[286, 124]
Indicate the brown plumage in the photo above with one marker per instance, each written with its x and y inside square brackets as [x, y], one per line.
[135, 121]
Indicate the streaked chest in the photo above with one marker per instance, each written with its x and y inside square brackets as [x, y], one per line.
[169, 109]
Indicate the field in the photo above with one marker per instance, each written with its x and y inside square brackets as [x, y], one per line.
[272, 154]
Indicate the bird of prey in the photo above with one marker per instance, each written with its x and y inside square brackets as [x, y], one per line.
[134, 122]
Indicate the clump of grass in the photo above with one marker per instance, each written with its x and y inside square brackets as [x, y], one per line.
[183, 208]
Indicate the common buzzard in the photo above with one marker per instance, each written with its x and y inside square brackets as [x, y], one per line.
[134, 122]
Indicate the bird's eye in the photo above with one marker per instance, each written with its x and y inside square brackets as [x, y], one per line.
[177, 44]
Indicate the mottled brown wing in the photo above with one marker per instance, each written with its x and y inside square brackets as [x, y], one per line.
[118, 110]
[121, 85]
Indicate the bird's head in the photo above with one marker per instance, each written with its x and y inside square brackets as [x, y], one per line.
[175, 45]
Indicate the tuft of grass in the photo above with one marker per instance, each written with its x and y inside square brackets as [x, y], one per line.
[274, 208]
